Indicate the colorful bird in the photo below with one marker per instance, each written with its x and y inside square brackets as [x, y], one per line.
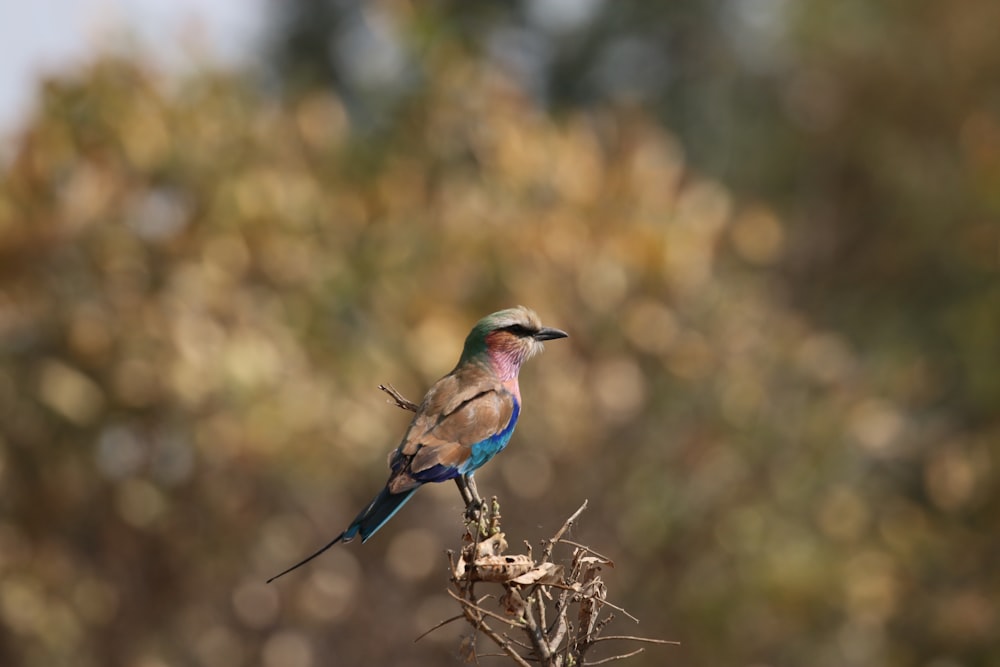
[464, 420]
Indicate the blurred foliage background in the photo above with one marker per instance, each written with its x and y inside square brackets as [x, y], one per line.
[771, 229]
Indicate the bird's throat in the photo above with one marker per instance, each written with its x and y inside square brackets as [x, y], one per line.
[506, 363]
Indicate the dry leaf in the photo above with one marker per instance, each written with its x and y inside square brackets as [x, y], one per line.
[500, 569]
[546, 573]
[512, 603]
[467, 650]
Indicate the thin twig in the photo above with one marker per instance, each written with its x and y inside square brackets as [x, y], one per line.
[616, 657]
[397, 398]
[602, 601]
[471, 605]
[599, 628]
[617, 608]
[514, 641]
[469, 610]
[439, 625]
[585, 548]
[504, 645]
[547, 552]
[636, 639]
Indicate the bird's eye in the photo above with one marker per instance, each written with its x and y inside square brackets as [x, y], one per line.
[518, 330]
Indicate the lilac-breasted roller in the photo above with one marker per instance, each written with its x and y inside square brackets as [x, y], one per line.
[464, 420]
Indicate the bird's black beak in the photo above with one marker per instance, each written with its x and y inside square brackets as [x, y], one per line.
[547, 333]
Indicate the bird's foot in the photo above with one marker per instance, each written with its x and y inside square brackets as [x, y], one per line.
[482, 518]
[474, 509]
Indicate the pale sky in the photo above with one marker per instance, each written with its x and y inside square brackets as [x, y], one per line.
[45, 36]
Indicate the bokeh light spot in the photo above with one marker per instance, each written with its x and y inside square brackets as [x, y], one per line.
[287, 649]
[97, 601]
[139, 502]
[256, 604]
[950, 477]
[620, 387]
[871, 586]
[218, 645]
[691, 357]
[414, 554]
[528, 473]
[69, 392]
[22, 605]
[758, 236]
[826, 357]
[602, 284]
[650, 326]
[843, 514]
[876, 425]
[119, 452]
[331, 593]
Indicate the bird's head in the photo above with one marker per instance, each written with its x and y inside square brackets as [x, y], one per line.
[507, 339]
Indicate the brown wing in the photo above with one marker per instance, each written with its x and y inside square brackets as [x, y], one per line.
[461, 409]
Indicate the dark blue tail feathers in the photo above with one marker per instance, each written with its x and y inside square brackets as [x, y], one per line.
[383, 508]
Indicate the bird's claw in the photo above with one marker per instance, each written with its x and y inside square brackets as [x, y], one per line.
[474, 510]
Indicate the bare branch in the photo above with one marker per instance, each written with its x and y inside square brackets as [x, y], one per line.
[529, 603]
[523, 645]
[630, 638]
[617, 608]
[474, 615]
[537, 636]
[616, 657]
[558, 632]
[547, 552]
[397, 398]
[610, 562]
[528, 596]
[486, 612]
[504, 645]
[439, 625]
